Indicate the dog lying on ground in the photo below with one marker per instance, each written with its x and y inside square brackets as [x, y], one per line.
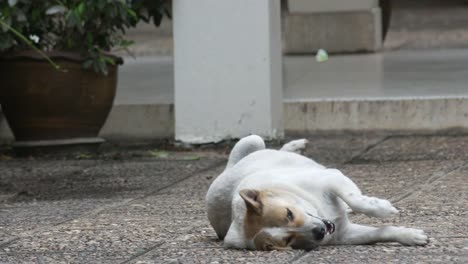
[272, 200]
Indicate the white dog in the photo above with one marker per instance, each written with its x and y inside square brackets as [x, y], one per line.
[268, 199]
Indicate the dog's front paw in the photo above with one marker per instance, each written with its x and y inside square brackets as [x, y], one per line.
[297, 146]
[412, 237]
[378, 207]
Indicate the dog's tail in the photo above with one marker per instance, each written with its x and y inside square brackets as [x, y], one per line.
[244, 147]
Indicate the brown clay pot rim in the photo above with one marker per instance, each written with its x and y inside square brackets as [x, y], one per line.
[64, 55]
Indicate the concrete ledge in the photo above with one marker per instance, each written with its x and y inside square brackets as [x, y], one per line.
[337, 32]
[139, 122]
[300, 6]
[399, 114]
[126, 122]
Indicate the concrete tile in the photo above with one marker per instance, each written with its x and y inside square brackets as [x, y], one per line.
[215, 255]
[24, 178]
[449, 189]
[159, 205]
[65, 180]
[21, 175]
[195, 186]
[438, 251]
[439, 208]
[28, 259]
[17, 218]
[97, 257]
[406, 148]
[161, 228]
[333, 150]
[110, 244]
[5, 237]
[437, 221]
[392, 180]
[440, 220]
[143, 176]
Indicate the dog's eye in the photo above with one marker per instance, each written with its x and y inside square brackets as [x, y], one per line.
[290, 215]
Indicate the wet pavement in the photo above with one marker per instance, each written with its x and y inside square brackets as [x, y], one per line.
[146, 204]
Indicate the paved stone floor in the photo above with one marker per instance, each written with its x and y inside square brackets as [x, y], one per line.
[145, 205]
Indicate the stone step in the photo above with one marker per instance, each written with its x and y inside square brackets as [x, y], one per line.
[403, 115]
[405, 91]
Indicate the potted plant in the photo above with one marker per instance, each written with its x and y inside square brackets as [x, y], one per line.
[57, 73]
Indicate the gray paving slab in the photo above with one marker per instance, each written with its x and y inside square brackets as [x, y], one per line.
[156, 211]
[28, 178]
[20, 218]
[92, 241]
[439, 251]
[393, 180]
[106, 179]
[439, 207]
[332, 150]
[5, 237]
[215, 255]
[63, 239]
[419, 148]
[196, 186]
[451, 188]
[63, 257]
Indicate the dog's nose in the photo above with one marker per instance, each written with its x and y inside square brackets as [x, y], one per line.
[319, 233]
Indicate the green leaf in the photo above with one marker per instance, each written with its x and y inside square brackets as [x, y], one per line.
[126, 43]
[192, 157]
[4, 157]
[83, 156]
[6, 23]
[56, 9]
[12, 3]
[109, 60]
[87, 64]
[158, 154]
[81, 8]
[321, 56]
[132, 13]
[6, 41]
[102, 66]
[20, 16]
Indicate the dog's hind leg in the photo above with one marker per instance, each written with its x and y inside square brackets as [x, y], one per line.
[244, 147]
[354, 234]
[345, 189]
[296, 146]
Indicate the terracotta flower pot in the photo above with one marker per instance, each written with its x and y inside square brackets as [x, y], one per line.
[44, 106]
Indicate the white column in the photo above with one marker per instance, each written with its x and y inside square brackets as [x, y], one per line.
[228, 69]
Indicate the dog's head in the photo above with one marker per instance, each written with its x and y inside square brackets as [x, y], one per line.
[279, 220]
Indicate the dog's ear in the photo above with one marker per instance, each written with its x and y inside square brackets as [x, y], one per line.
[252, 200]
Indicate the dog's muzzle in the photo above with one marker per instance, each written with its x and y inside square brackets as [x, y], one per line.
[329, 225]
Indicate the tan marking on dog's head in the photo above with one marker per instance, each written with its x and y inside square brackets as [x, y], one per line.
[266, 209]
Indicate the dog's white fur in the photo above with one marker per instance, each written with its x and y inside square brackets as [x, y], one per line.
[315, 190]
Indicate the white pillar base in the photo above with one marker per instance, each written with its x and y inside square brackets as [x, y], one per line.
[228, 69]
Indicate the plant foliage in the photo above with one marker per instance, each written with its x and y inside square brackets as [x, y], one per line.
[90, 27]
